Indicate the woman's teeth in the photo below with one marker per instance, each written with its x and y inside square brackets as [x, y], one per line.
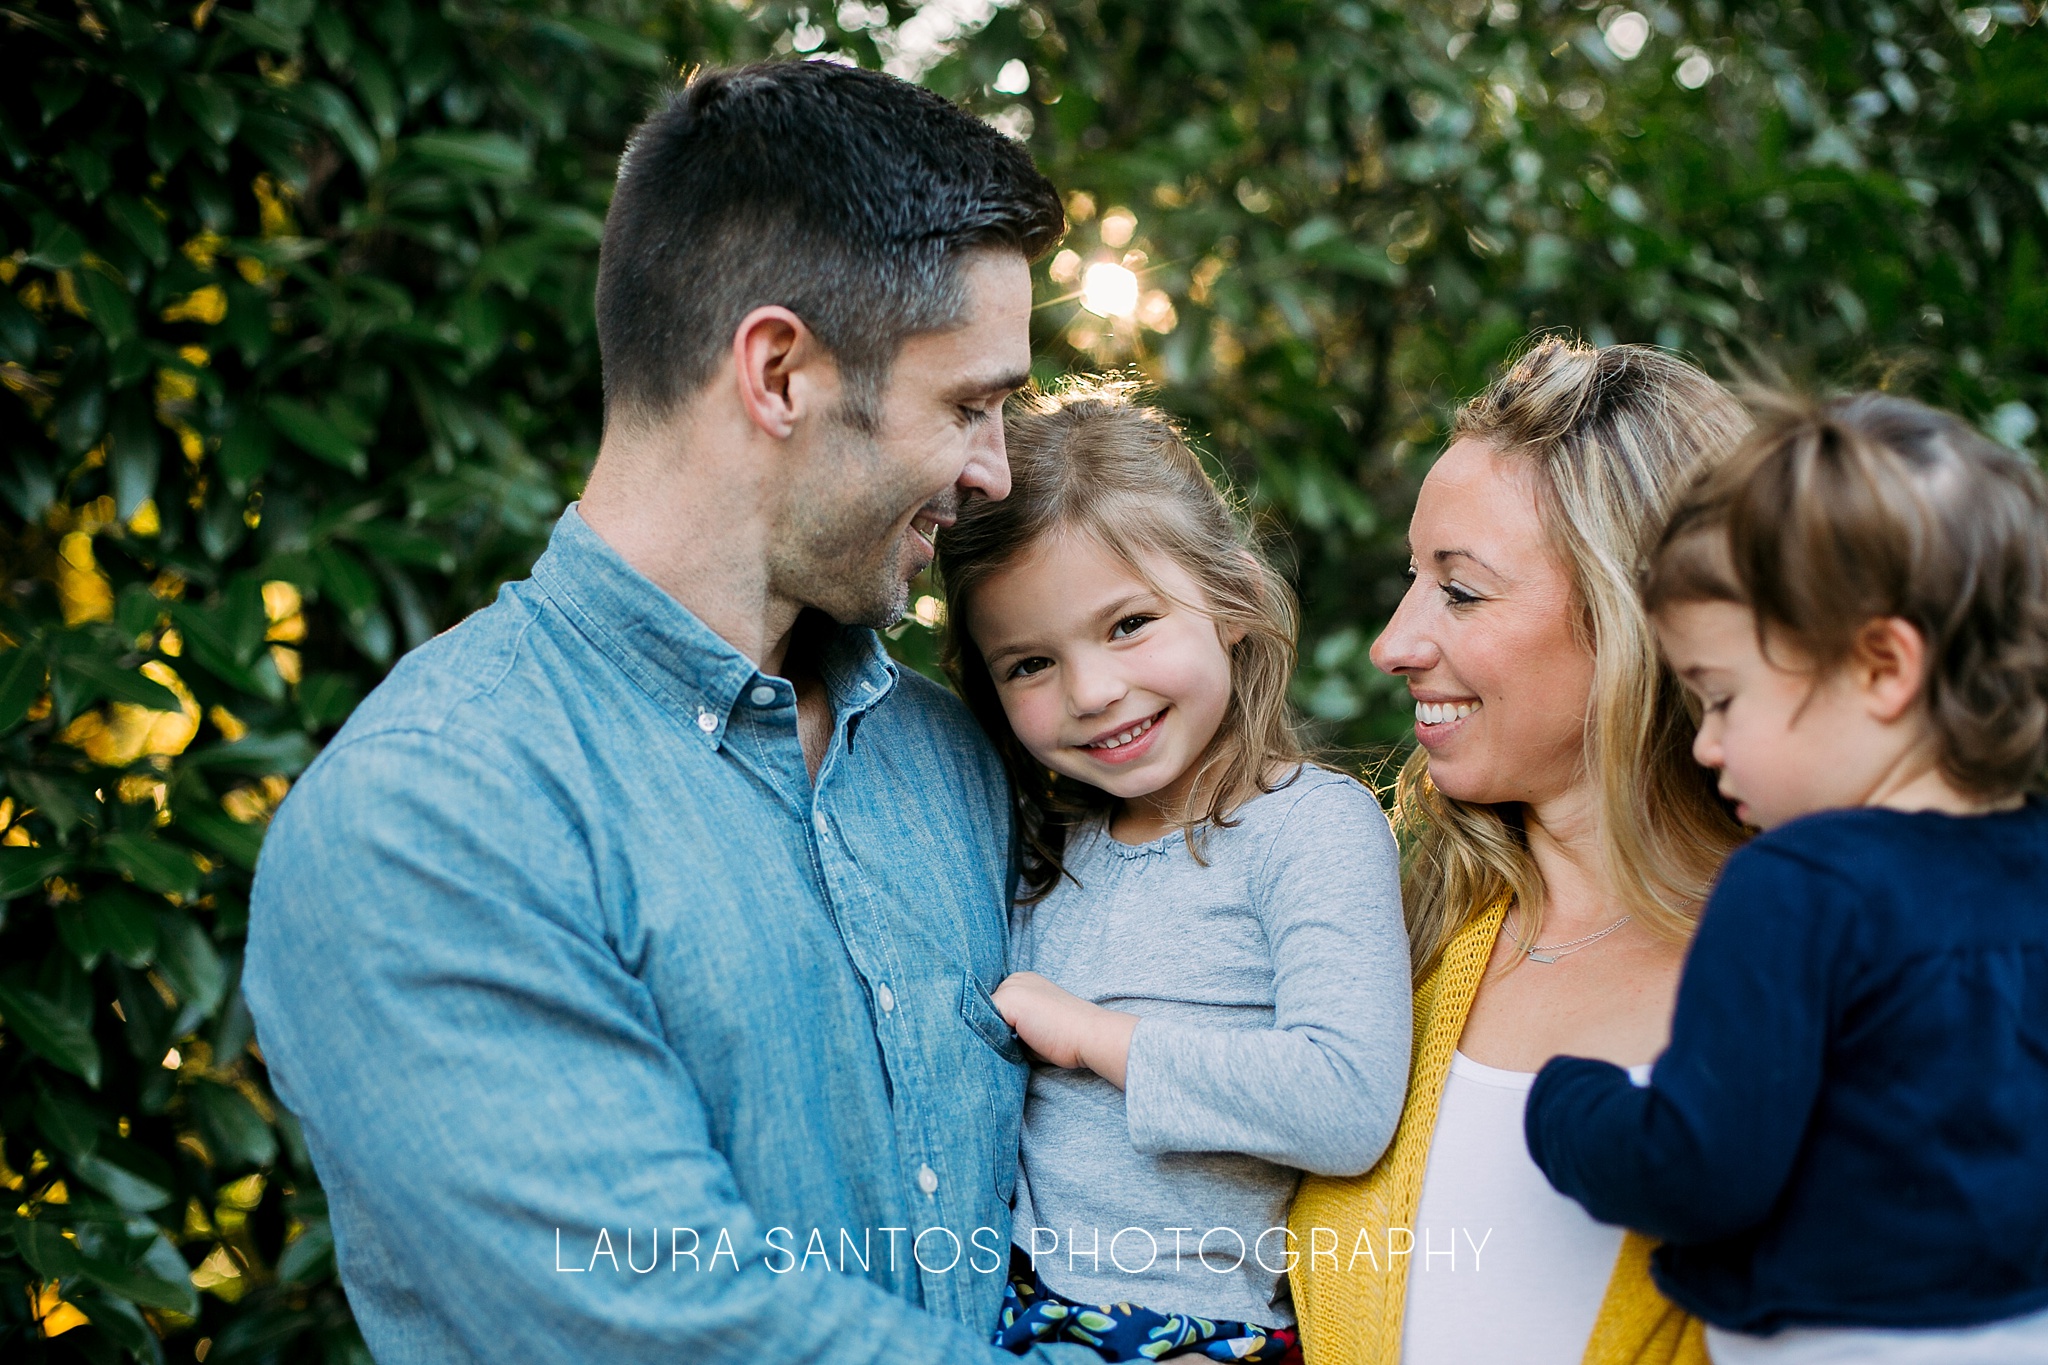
[1440, 712]
[1123, 737]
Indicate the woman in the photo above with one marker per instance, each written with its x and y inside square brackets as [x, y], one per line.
[1562, 840]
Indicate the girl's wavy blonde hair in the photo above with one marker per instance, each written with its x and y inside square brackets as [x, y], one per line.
[1089, 460]
[1614, 436]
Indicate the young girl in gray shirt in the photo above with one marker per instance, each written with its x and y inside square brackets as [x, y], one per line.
[1211, 964]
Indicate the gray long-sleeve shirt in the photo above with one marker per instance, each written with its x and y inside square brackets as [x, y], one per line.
[1272, 991]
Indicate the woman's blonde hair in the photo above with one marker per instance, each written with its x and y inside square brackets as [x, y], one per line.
[1613, 436]
[1090, 460]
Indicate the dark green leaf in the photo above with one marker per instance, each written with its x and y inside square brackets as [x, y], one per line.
[627, 46]
[246, 451]
[316, 435]
[487, 154]
[309, 1256]
[142, 1285]
[61, 1035]
[130, 1191]
[44, 1246]
[21, 681]
[240, 1136]
[69, 1123]
[153, 863]
[134, 455]
[190, 962]
[107, 302]
[211, 106]
[22, 870]
[57, 245]
[104, 678]
[237, 842]
[343, 578]
[260, 32]
[118, 921]
[141, 226]
[333, 111]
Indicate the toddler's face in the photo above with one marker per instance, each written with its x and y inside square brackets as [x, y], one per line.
[1104, 679]
[1787, 742]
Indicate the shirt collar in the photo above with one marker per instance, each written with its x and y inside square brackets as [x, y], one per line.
[674, 656]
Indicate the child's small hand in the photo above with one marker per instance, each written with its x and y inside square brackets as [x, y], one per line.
[1064, 1029]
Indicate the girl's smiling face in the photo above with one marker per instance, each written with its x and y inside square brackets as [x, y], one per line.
[1104, 678]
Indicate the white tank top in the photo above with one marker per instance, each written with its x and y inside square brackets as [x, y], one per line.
[1504, 1268]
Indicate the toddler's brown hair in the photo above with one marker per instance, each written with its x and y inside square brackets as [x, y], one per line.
[1833, 514]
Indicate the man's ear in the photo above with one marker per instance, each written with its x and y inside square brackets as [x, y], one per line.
[1889, 665]
[784, 374]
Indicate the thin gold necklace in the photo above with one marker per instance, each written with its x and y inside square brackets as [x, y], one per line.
[1551, 952]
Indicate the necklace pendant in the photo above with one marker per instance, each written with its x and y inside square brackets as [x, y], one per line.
[1541, 957]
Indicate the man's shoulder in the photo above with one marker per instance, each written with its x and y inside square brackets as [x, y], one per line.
[499, 679]
[479, 697]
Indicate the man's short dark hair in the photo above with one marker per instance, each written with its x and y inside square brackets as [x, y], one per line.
[846, 196]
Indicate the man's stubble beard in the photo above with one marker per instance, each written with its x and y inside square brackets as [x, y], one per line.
[840, 552]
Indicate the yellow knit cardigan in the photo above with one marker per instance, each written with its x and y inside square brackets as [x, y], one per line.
[1354, 1317]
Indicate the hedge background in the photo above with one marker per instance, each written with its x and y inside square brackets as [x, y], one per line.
[296, 337]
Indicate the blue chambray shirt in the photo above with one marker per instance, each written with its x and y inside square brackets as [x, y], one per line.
[568, 970]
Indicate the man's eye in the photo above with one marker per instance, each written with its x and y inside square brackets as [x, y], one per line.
[1130, 626]
[975, 416]
[1024, 668]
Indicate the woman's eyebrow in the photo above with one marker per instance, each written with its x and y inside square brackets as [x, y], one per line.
[1441, 555]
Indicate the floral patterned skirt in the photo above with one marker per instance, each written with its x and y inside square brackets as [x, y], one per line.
[1033, 1314]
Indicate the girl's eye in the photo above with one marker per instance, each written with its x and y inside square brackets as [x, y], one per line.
[1713, 704]
[1129, 626]
[1024, 668]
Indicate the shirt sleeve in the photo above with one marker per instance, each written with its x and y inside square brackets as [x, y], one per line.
[475, 1069]
[1322, 1088]
[1704, 1150]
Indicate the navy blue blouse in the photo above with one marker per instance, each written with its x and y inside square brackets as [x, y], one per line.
[1850, 1126]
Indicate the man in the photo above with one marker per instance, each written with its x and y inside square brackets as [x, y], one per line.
[626, 956]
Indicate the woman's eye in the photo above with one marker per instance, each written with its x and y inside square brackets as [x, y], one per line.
[1408, 575]
[1457, 596]
[1024, 668]
[1129, 626]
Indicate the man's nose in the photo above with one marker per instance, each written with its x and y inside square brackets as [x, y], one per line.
[1404, 647]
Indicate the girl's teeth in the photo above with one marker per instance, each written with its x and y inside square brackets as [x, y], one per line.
[1440, 712]
[1117, 741]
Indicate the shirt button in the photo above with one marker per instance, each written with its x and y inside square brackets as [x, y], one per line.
[819, 824]
[886, 998]
[928, 1180]
[764, 695]
[706, 722]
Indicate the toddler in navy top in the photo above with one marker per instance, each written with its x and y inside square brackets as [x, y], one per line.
[1845, 1147]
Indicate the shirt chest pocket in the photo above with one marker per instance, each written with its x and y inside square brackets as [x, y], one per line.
[1009, 1073]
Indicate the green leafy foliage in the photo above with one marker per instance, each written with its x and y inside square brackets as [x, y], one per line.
[1357, 210]
[297, 337]
[297, 343]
